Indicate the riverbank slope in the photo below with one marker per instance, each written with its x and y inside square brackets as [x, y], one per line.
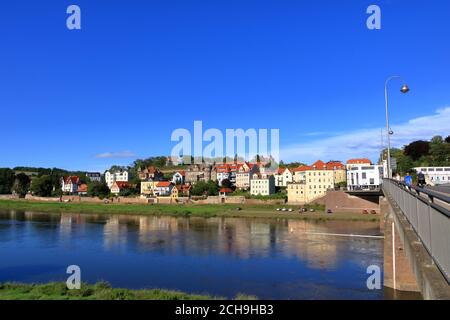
[98, 291]
[186, 210]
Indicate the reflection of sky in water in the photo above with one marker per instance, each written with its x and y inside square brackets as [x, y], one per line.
[220, 256]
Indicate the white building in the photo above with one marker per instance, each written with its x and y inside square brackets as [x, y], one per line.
[262, 185]
[163, 188]
[178, 177]
[283, 177]
[245, 174]
[94, 176]
[435, 175]
[111, 177]
[363, 175]
[70, 184]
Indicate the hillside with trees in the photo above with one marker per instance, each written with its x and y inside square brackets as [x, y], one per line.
[433, 153]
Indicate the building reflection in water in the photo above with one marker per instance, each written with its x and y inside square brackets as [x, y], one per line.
[233, 237]
[241, 238]
[115, 233]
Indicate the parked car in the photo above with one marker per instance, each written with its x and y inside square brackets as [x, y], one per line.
[365, 212]
[373, 212]
[329, 211]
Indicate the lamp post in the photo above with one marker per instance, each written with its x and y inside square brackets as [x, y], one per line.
[404, 89]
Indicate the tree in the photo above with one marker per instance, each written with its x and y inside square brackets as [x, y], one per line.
[202, 188]
[42, 186]
[98, 189]
[7, 178]
[226, 183]
[21, 184]
[439, 151]
[417, 149]
[447, 140]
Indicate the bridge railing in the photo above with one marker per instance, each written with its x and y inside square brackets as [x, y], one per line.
[428, 213]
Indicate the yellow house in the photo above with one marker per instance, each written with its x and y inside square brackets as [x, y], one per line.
[296, 193]
[312, 182]
[147, 187]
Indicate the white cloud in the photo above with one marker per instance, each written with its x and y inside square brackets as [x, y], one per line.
[116, 155]
[367, 143]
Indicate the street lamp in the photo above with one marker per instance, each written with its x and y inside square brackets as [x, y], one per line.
[404, 89]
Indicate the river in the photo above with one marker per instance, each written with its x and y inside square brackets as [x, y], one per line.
[268, 258]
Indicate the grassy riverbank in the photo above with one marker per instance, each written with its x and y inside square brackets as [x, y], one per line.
[98, 291]
[196, 210]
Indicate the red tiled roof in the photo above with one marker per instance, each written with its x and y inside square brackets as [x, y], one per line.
[71, 179]
[226, 190]
[122, 184]
[334, 165]
[318, 165]
[303, 168]
[82, 188]
[163, 184]
[359, 161]
[183, 187]
[223, 168]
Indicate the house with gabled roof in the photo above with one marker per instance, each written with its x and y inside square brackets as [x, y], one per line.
[70, 184]
[163, 188]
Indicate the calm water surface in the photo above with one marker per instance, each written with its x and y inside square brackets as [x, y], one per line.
[272, 259]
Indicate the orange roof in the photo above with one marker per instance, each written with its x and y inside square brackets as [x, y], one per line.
[320, 165]
[226, 190]
[303, 168]
[359, 161]
[223, 168]
[334, 165]
[183, 187]
[163, 184]
[82, 188]
[122, 184]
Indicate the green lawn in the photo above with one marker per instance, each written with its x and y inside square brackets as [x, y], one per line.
[197, 210]
[98, 291]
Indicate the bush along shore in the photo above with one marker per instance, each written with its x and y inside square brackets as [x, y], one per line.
[98, 291]
[186, 210]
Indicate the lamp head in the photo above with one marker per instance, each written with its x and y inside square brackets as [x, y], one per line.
[404, 89]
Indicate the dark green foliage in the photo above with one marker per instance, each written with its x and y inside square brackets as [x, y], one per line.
[201, 188]
[42, 186]
[417, 149]
[7, 178]
[21, 184]
[98, 189]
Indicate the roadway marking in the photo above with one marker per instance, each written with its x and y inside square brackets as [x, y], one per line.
[345, 235]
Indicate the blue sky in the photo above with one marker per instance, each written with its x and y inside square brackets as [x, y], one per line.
[140, 69]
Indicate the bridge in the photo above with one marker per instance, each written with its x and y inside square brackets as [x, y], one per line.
[416, 224]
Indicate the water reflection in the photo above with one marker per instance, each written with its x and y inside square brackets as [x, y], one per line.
[275, 258]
